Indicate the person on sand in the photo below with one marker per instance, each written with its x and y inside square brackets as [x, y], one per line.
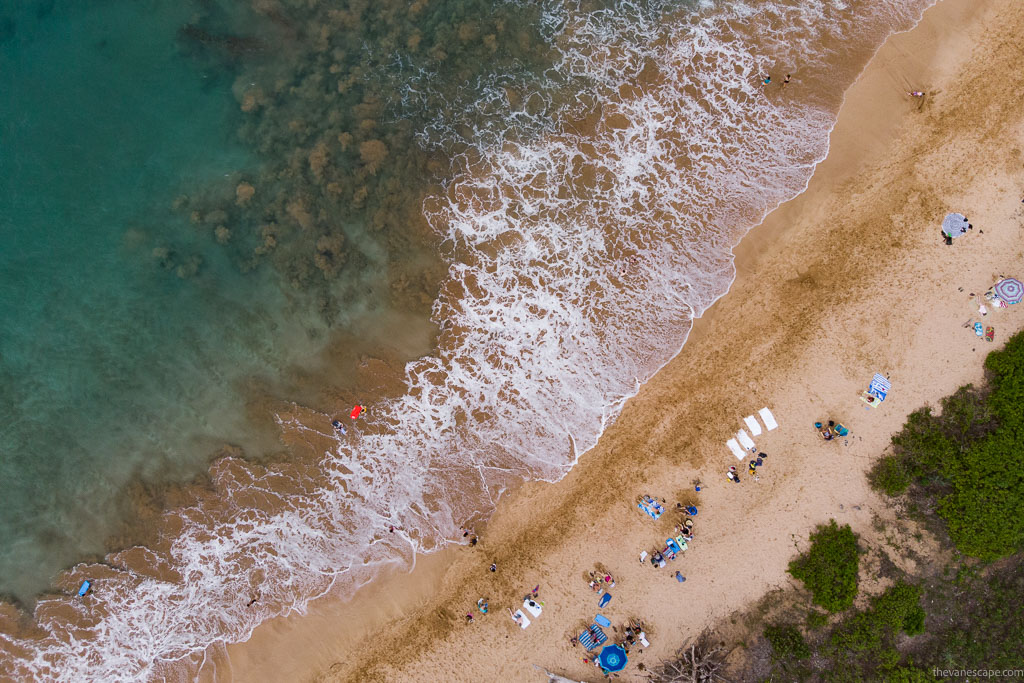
[472, 541]
[469, 617]
[494, 567]
[786, 80]
[733, 477]
[916, 93]
[482, 605]
[752, 467]
[767, 79]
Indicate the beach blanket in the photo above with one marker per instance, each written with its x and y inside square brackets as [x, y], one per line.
[653, 509]
[521, 619]
[768, 419]
[735, 448]
[671, 543]
[592, 637]
[533, 607]
[602, 620]
[879, 387]
[745, 440]
[753, 425]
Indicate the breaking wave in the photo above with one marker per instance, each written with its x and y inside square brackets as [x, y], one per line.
[591, 221]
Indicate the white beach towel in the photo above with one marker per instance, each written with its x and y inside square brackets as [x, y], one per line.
[533, 607]
[769, 419]
[753, 425]
[745, 440]
[521, 618]
[735, 448]
[643, 556]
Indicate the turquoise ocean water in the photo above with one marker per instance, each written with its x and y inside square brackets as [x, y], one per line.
[112, 366]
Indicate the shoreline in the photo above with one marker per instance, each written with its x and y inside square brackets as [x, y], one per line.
[759, 249]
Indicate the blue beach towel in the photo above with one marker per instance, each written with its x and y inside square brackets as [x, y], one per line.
[879, 387]
[605, 599]
[592, 637]
[602, 620]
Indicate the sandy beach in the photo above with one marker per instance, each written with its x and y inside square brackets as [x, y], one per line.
[849, 279]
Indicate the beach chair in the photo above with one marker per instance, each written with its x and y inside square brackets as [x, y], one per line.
[768, 419]
[753, 425]
[735, 448]
[745, 440]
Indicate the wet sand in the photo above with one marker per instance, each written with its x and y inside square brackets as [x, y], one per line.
[848, 279]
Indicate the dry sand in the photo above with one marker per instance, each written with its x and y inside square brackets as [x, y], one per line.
[848, 279]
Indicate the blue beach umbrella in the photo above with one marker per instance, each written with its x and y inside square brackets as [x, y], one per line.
[1009, 290]
[612, 658]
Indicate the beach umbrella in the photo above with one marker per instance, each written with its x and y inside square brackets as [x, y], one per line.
[1009, 290]
[612, 658]
[954, 225]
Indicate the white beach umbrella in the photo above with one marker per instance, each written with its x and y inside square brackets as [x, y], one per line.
[954, 224]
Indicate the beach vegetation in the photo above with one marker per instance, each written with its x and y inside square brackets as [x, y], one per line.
[958, 461]
[829, 567]
[787, 642]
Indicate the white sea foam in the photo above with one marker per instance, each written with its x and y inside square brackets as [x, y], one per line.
[578, 260]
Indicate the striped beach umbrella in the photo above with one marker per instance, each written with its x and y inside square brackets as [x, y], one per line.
[954, 224]
[1009, 290]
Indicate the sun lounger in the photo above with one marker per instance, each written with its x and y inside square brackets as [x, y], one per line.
[768, 419]
[735, 448]
[753, 425]
[745, 440]
[521, 619]
[533, 607]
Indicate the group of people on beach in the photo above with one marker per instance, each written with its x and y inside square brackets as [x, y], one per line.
[752, 465]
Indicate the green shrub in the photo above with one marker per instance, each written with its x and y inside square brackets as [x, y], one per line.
[890, 476]
[816, 619]
[899, 608]
[861, 632]
[829, 568]
[909, 674]
[787, 642]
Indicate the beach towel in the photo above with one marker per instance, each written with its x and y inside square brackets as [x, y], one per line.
[652, 510]
[735, 448]
[745, 440]
[521, 619]
[643, 556]
[753, 425]
[533, 607]
[979, 329]
[602, 620]
[879, 387]
[682, 542]
[592, 636]
[605, 599]
[768, 419]
[990, 333]
[643, 639]
[672, 545]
